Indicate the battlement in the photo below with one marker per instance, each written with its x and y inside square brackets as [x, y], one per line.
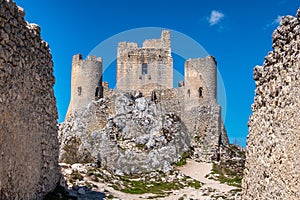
[78, 58]
[94, 58]
[163, 43]
[206, 59]
[146, 68]
[125, 47]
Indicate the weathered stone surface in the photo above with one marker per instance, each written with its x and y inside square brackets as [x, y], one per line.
[193, 106]
[136, 138]
[86, 82]
[147, 68]
[28, 136]
[273, 151]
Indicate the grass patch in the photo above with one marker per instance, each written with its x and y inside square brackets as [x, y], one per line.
[195, 184]
[91, 172]
[89, 185]
[182, 160]
[76, 176]
[142, 187]
[110, 196]
[140, 146]
[227, 176]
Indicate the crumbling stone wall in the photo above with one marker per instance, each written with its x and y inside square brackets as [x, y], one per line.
[146, 68]
[205, 126]
[170, 100]
[86, 82]
[162, 43]
[273, 151]
[28, 135]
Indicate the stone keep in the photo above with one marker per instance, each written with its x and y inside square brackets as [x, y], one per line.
[86, 83]
[273, 145]
[200, 81]
[28, 120]
[146, 68]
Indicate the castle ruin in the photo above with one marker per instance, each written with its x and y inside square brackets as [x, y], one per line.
[148, 72]
[86, 82]
[146, 68]
[272, 169]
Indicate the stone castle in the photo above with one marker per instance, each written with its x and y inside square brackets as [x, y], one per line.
[144, 124]
[148, 72]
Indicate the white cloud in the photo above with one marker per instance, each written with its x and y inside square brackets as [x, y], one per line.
[277, 20]
[215, 17]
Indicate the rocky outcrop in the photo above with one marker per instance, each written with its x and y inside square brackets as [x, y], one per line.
[124, 133]
[28, 135]
[273, 153]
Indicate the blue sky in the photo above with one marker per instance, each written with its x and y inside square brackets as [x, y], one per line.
[237, 33]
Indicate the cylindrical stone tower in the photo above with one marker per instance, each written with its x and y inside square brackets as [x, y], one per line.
[201, 80]
[86, 83]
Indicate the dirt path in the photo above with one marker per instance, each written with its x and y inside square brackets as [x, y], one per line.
[198, 171]
[211, 189]
[193, 169]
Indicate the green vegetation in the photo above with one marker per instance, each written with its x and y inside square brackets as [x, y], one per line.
[110, 196]
[140, 146]
[227, 176]
[91, 172]
[133, 186]
[75, 176]
[158, 196]
[140, 187]
[89, 185]
[182, 160]
[196, 184]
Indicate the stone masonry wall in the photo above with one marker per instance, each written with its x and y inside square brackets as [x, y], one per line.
[28, 136]
[273, 144]
[205, 126]
[86, 78]
[200, 80]
[203, 121]
[146, 68]
[163, 43]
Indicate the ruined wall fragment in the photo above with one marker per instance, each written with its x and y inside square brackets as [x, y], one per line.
[28, 134]
[273, 144]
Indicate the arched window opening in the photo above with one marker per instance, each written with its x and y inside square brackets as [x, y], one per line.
[79, 91]
[97, 92]
[144, 68]
[200, 91]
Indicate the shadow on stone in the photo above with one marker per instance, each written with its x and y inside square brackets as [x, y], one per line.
[77, 193]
